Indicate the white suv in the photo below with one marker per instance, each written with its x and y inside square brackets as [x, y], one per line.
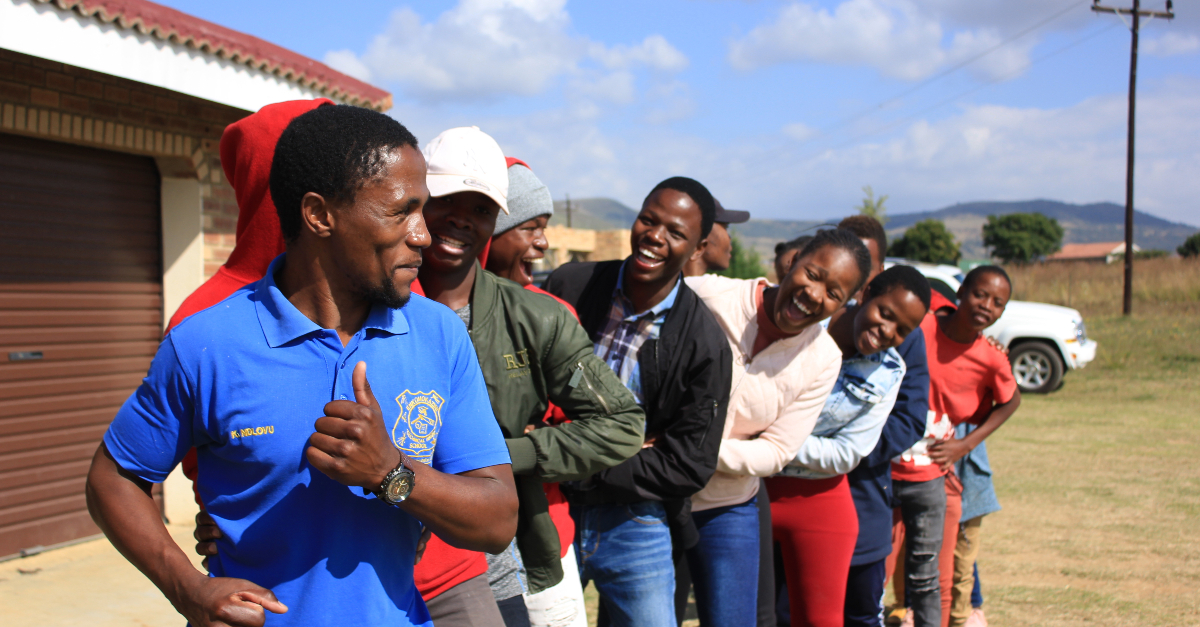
[1043, 341]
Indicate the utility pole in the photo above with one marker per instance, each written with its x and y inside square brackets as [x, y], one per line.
[1137, 13]
[568, 211]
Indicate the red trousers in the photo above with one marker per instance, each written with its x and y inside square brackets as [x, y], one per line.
[816, 525]
[895, 561]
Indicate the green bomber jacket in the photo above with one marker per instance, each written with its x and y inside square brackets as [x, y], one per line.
[532, 351]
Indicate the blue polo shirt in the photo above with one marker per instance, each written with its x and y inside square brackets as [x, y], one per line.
[245, 380]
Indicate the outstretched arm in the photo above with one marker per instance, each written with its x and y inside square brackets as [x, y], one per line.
[120, 504]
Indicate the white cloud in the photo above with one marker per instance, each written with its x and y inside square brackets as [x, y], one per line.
[799, 131]
[1171, 44]
[900, 38]
[481, 50]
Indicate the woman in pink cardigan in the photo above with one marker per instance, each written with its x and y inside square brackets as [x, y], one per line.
[784, 367]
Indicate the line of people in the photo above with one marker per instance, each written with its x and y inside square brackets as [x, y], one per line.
[639, 424]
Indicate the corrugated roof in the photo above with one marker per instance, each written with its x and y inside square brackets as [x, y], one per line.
[1088, 251]
[168, 24]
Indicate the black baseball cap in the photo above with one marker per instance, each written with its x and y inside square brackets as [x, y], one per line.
[729, 216]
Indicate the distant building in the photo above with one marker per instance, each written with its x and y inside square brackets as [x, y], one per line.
[113, 208]
[568, 244]
[1107, 252]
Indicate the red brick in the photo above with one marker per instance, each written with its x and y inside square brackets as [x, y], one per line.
[179, 124]
[6, 69]
[224, 223]
[166, 105]
[73, 103]
[155, 119]
[29, 75]
[103, 109]
[44, 97]
[44, 64]
[141, 99]
[189, 109]
[133, 115]
[89, 88]
[210, 205]
[60, 82]
[11, 56]
[14, 92]
[116, 94]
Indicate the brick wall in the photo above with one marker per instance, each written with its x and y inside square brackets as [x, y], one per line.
[51, 100]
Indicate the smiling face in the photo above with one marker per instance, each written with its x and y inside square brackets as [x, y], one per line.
[884, 321]
[664, 236]
[982, 301]
[460, 225]
[817, 285]
[513, 252]
[375, 242]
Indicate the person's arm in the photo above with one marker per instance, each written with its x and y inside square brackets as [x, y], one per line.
[842, 451]
[121, 505]
[151, 433]
[606, 428]
[474, 510]
[906, 424]
[946, 453]
[684, 456]
[777, 445]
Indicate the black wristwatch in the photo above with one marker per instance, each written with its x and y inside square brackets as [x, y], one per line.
[397, 484]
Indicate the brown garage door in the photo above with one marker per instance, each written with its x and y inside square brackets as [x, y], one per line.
[80, 319]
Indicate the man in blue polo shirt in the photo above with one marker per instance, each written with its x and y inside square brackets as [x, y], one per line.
[319, 481]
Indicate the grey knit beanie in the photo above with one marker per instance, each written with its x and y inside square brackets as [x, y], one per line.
[528, 198]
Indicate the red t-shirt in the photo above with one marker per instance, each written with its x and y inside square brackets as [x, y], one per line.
[965, 382]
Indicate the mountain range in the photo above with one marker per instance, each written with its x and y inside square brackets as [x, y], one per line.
[1096, 222]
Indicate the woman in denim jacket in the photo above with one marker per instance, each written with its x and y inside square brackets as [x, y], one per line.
[813, 515]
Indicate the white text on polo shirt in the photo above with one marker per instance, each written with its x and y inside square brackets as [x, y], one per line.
[249, 431]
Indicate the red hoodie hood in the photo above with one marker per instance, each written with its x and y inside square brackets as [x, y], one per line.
[247, 148]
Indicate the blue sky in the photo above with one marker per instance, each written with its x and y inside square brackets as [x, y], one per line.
[783, 108]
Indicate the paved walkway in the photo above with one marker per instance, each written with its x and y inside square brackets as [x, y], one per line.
[88, 584]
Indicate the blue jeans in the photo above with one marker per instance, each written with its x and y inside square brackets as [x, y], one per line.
[864, 594]
[923, 509]
[724, 565]
[626, 551]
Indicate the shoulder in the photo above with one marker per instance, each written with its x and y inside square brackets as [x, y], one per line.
[988, 354]
[519, 300]
[710, 286]
[228, 320]
[823, 350]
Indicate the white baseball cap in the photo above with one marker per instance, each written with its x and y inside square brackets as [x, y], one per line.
[465, 159]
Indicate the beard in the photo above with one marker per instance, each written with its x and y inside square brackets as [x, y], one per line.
[386, 294]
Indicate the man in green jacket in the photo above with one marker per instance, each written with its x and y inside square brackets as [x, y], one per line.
[531, 349]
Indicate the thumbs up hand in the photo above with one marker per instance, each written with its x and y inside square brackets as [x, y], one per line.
[351, 444]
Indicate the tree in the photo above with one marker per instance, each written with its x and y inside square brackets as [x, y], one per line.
[1190, 247]
[927, 240]
[1022, 237]
[745, 262]
[872, 206]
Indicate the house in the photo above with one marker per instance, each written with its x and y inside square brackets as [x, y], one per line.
[113, 208]
[1107, 252]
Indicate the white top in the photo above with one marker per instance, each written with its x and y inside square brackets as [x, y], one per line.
[775, 398]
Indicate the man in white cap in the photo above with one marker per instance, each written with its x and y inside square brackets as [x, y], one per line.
[533, 352]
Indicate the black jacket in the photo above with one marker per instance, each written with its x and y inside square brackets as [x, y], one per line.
[685, 377]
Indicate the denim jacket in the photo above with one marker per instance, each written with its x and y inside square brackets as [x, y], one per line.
[853, 417]
[979, 495]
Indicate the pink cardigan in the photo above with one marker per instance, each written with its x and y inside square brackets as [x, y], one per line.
[776, 396]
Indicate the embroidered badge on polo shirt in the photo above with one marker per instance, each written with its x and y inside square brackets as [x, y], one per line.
[416, 429]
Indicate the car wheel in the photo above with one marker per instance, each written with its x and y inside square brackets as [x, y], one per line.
[1037, 367]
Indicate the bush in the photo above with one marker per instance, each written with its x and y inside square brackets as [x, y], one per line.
[928, 241]
[1190, 247]
[745, 263]
[1022, 237]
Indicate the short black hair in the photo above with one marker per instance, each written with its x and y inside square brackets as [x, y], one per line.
[699, 194]
[847, 241]
[866, 227]
[799, 242]
[902, 277]
[979, 271]
[333, 151]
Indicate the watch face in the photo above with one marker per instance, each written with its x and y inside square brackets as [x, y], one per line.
[399, 487]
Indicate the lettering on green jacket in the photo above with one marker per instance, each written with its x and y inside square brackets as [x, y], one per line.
[518, 362]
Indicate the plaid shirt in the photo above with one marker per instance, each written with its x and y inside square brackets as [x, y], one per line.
[626, 330]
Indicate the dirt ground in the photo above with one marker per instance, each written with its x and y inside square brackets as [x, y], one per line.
[85, 585]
